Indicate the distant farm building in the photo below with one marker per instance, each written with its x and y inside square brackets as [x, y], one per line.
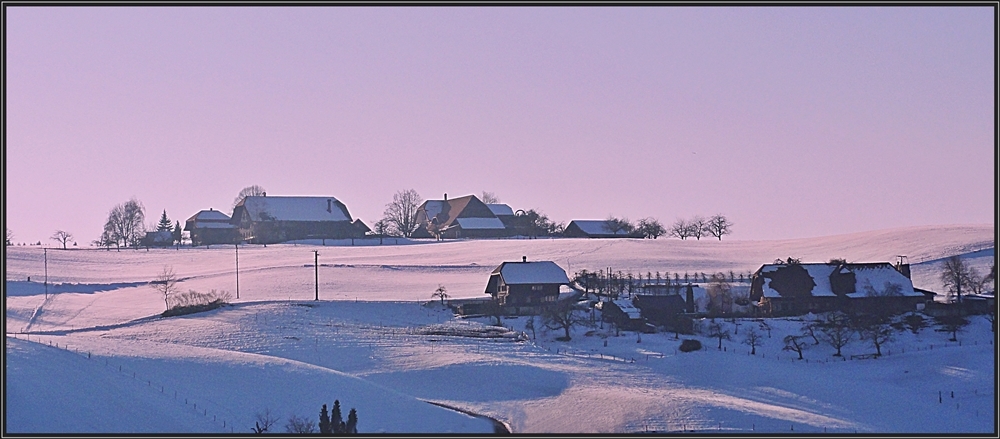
[209, 227]
[462, 217]
[524, 288]
[595, 229]
[268, 220]
[798, 288]
[162, 238]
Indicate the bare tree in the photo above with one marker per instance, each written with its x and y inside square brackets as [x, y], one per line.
[837, 331]
[809, 329]
[875, 329]
[297, 425]
[679, 229]
[720, 295]
[62, 237]
[440, 292]
[952, 324]
[718, 226]
[166, 284]
[381, 229]
[955, 276]
[716, 330]
[401, 213]
[490, 198]
[125, 223]
[698, 227]
[530, 325]
[565, 314]
[616, 225]
[753, 339]
[650, 228]
[249, 191]
[795, 343]
[8, 238]
[264, 421]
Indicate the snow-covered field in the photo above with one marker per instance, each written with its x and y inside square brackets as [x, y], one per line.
[374, 343]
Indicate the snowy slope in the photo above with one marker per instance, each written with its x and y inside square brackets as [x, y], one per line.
[372, 343]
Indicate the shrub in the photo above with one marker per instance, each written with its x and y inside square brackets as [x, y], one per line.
[193, 301]
[689, 345]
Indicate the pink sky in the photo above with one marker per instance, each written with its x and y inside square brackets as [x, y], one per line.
[793, 122]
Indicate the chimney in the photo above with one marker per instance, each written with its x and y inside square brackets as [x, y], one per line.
[329, 205]
[524, 259]
[903, 267]
[446, 196]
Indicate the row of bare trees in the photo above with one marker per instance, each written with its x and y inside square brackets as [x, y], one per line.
[716, 226]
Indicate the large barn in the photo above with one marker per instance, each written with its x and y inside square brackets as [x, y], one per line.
[268, 220]
[524, 288]
[798, 288]
[462, 217]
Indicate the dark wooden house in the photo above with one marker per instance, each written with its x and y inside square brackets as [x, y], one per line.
[799, 288]
[268, 220]
[595, 229]
[525, 288]
[211, 227]
[462, 217]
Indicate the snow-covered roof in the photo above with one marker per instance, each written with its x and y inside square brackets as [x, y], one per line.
[628, 308]
[295, 209]
[875, 276]
[537, 272]
[433, 208]
[500, 209]
[479, 223]
[211, 214]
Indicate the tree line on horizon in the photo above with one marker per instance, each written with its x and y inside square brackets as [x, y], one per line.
[125, 225]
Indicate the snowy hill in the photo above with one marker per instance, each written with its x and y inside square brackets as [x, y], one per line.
[372, 343]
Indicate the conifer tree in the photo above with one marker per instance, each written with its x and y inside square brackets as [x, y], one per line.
[324, 421]
[336, 419]
[177, 232]
[164, 224]
[352, 422]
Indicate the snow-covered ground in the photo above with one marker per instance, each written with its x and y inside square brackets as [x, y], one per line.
[374, 343]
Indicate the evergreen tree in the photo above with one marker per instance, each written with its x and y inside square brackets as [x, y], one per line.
[164, 224]
[177, 232]
[336, 419]
[324, 421]
[352, 422]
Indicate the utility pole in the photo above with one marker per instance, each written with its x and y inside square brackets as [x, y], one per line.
[45, 252]
[316, 264]
[237, 270]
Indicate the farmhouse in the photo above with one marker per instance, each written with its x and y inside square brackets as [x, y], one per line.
[504, 213]
[523, 288]
[209, 227]
[462, 217]
[798, 288]
[595, 229]
[268, 220]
